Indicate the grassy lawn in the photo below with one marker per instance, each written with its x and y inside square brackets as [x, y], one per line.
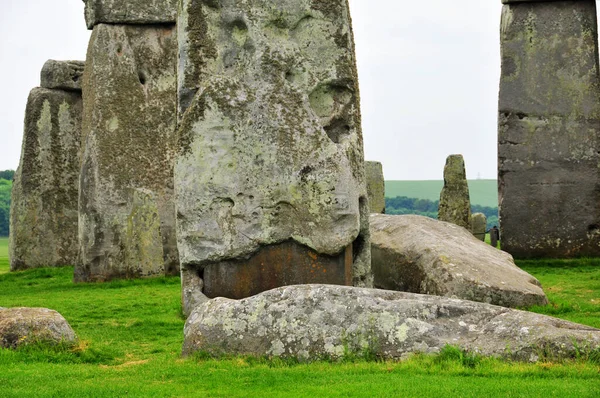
[482, 192]
[4, 264]
[131, 336]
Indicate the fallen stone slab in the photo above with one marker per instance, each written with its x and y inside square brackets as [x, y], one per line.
[62, 75]
[19, 326]
[421, 255]
[130, 12]
[324, 321]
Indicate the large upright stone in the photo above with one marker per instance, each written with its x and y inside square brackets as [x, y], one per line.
[455, 204]
[270, 183]
[375, 186]
[549, 125]
[127, 216]
[130, 12]
[43, 220]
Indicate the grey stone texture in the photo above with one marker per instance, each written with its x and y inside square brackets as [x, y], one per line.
[321, 321]
[43, 220]
[375, 187]
[22, 326]
[270, 164]
[479, 226]
[62, 75]
[455, 204]
[126, 206]
[420, 255]
[549, 125]
[130, 12]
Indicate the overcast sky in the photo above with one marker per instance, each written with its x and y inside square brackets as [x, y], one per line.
[428, 70]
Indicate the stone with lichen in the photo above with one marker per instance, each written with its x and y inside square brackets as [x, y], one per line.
[270, 161]
[145, 12]
[23, 326]
[549, 129]
[62, 75]
[479, 225]
[43, 220]
[375, 186]
[126, 208]
[455, 204]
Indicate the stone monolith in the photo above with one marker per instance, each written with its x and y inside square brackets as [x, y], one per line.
[269, 179]
[455, 205]
[479, 225]
[375, 186]
[145, 12]
[43, 221]
[126, 208]
[549, 125]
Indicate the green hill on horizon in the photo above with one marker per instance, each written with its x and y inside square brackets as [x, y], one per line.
[482, 192]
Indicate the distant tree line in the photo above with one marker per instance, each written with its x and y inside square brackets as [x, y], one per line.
[428, 208]
[5, 189]
[7, 175]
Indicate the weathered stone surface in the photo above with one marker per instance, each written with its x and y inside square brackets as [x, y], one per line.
[43, 220]
[316, 321]
[130, 12]
[20, 326]
[549, 124]
[62, 75]
[270, 140]
[375, 186]
[455, 204]
[479, 225]
[126, 207]
[421, 255]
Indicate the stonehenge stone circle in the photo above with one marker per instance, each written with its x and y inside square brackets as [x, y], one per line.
[375, 187]
[269, 178]
[146, 12]
[313, 322]
[479, 225]
[419, 255]
[455, 204]
[126, 207]
[43, 221]
[549, 126]
[20, 326]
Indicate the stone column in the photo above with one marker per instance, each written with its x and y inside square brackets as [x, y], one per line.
[269, 179]
[126, 208]
[455, 203]
[549, 122]
[43, 220]
[375, 187]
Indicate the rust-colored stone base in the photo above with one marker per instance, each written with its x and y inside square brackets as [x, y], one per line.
[288, 263]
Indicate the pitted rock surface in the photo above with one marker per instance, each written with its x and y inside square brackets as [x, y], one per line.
[271, 144]
[20, 326]
[317, 321]
[455, 204]
[126, 207]
[375, 186]
[421, 255]
[549, 124]
[62, 75]
[145, 12]
[43, 221]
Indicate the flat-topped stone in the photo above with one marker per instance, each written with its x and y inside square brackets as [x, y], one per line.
[21, 326]
[145, 12]
[62, 75]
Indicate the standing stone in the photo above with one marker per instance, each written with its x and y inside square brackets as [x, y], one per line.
[455, 205]
[479, 225]
[375, 187]
[126, 208]
[130, 12]
[270, 180]
[549, 124]
[43, 230]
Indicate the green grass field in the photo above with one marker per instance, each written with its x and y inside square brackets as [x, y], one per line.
[131, 337]
[4, 264]
[482, 192]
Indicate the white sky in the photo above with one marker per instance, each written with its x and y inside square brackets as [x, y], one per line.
[428, 71]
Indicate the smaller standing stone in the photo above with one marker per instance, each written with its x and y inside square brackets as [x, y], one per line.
[62, 75]
[375, 187]
[478, 225]
[455, 205]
